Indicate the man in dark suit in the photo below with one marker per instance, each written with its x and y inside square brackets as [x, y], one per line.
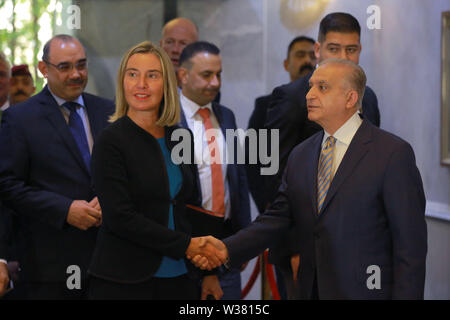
[354, 197]
[223, 185]
[300, 61]
[339, 37]
[45, 176]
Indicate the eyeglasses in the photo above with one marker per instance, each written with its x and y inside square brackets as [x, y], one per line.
[68, 66]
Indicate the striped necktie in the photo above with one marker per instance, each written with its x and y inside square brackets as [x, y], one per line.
[218, 190]
[324, 175]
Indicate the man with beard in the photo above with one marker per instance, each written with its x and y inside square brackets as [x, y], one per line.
[22, 86]
[45, 175]
[300, 61]
[224, 193]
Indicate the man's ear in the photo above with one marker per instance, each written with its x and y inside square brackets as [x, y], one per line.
[352, 99]
[182, 75]
[43, 68]
[285, 64]
[317, 50]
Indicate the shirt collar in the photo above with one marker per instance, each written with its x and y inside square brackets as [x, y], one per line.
[5, 105]
[346, 132]
[61, 101]
[190, 108]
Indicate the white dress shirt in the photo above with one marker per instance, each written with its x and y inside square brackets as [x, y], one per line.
[201, 151]
[5, 105]
[344, 136]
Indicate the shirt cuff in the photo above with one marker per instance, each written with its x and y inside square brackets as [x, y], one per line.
[3, 261]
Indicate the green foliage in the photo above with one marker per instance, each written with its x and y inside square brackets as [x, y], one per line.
[22, 35]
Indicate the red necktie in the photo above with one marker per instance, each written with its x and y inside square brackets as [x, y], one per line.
[218, 192]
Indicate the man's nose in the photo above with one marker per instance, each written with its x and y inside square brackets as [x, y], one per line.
[215, 81]
[74, 73]
[344, 55]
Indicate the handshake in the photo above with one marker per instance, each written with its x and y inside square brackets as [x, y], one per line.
[207, 252]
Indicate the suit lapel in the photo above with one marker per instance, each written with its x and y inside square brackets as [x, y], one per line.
[219, 117]
[56, 119]
[95, 116]
[183, 124]
[355, 152]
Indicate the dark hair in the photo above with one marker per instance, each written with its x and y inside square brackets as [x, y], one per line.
[338, 22]
[299, 39]
[62, 37]
[196, 47]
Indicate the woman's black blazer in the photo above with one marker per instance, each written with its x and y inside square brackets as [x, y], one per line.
[131, 181]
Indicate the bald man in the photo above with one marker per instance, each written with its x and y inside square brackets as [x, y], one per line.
[354, 199]
[176, 35]
[45, 175]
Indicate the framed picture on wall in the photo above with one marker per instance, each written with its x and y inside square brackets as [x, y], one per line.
[445, 89]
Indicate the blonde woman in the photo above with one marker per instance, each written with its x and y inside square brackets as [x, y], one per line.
[145, 236]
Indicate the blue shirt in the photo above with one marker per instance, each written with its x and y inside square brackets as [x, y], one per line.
[170, 267]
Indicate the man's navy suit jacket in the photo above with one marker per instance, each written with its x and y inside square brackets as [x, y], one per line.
[237, 180]
[373, 215]
[41, 173]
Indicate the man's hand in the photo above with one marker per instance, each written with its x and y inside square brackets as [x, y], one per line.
[4, 279]
[83, 214]
[96, 205]
[211, 286]
[207, 252]
[295, 262]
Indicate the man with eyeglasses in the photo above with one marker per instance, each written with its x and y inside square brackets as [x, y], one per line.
[45, 174]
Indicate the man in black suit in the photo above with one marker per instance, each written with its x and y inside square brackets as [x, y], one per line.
[45, 176]
[352, 194]
[339, 37]
[300, 61]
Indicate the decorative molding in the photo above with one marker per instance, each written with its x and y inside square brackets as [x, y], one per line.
[438, 210]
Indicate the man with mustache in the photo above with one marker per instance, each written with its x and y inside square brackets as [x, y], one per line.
[224, 192]
[300, 61]
[22, 86]
[45, 175]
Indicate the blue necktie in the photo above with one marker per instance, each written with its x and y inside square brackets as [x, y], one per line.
[324, 176]
[77, 128]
